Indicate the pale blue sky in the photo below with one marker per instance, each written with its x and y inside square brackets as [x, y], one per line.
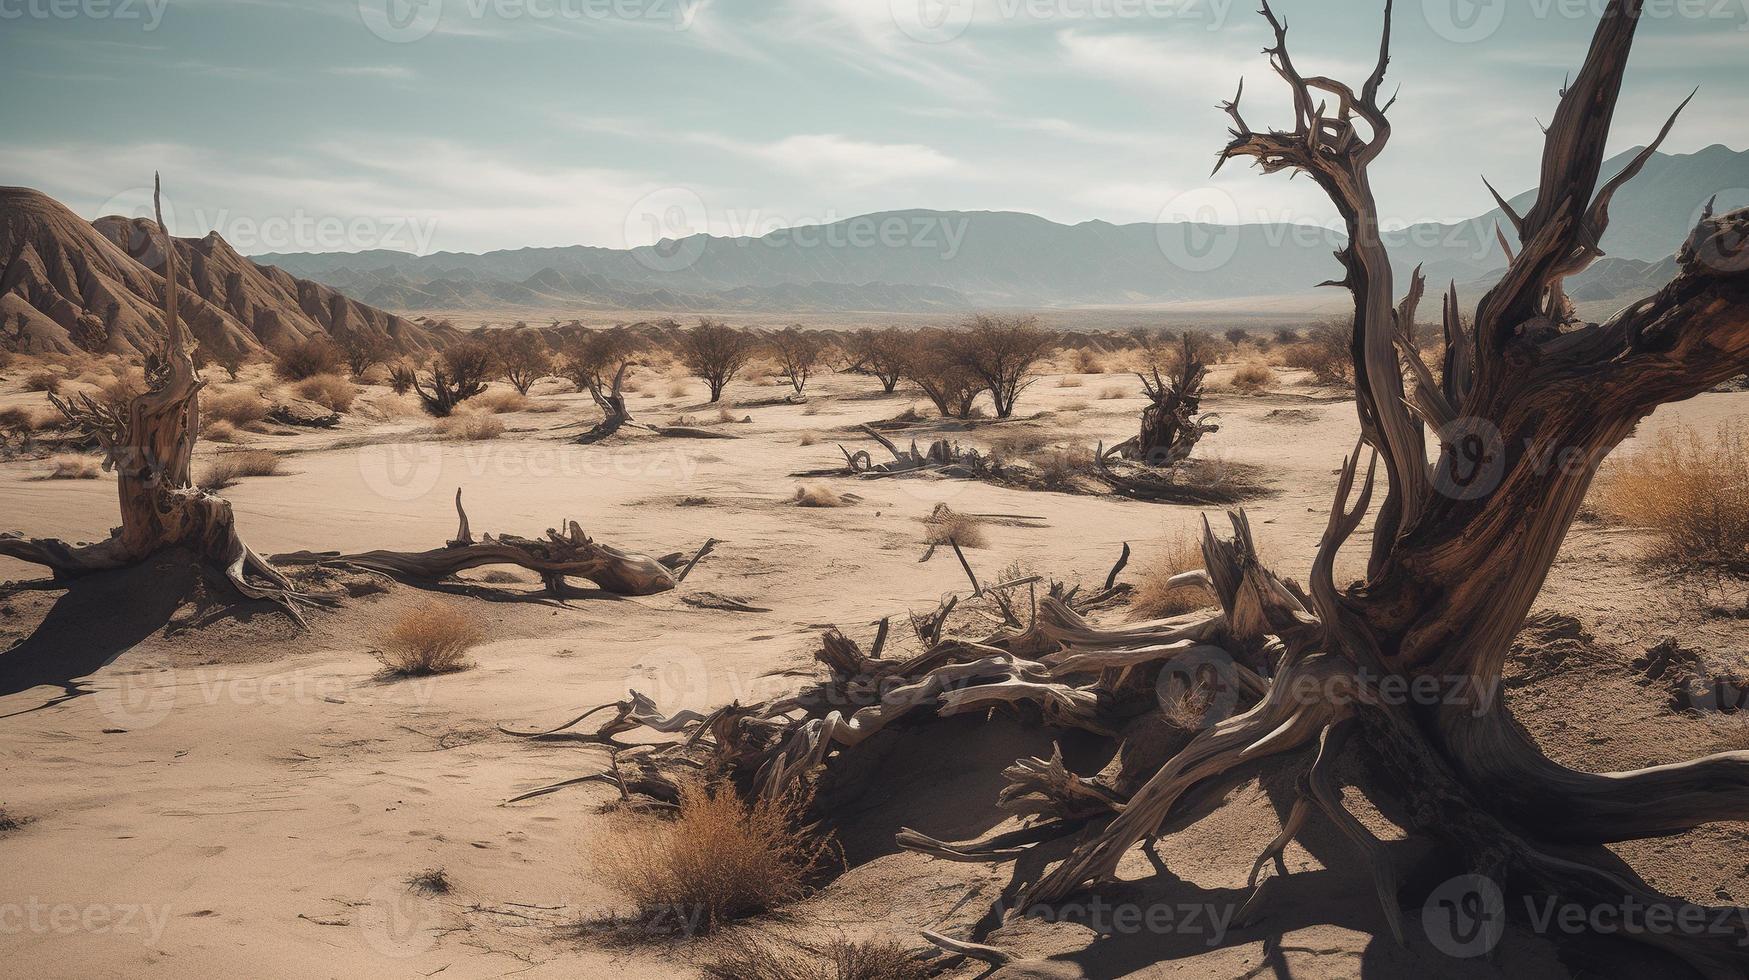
[293, 125]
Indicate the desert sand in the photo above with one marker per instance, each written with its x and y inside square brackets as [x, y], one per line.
[210, 792]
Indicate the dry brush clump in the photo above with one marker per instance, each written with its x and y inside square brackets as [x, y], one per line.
[331, 391]
[749, 958]
[431, 638]
[1253, 376]
[71, 468]
[469, 427]
[1691, 490]
[1325, 353]
[229, 467]
[308, 358]
[719, 859]
[1155, 596]
[241, 407]
[814, 495]
[946, 526]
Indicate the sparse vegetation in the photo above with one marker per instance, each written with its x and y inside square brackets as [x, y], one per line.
[881, 353]
[1691, 490]
[229, 467]
[469, 427]
[460, 373]
[753, 959]
[44, 381]
[362, 351]
[308, 358]
[1001, 352]
[240, 407]
[714, 353]
[1325, 353]
[501, 402]
[331, 391]
[721, 856]
[798, 353]
[431, 638]
[71, 468]
[1253, 376]
[431, 881]
[524, 359]
[814, 495]
[1155, 597]
[945, 525]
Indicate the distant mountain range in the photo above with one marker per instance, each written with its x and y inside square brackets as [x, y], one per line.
[99, 286]
[949, 261]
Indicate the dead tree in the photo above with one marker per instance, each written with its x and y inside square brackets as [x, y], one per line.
[1001, 353]
[149, 443]
[715, 352]
[880, 353]
[524, 359]
[798, 353]
[459, 373]
[1461, 549]
[1171, 426]
[569, 553]
[597, 362]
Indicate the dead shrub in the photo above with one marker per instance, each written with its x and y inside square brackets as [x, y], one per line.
[1253, 376]
[47, 381]
[227, 468]
[431, 638]
[1088, 362]
[949, 526]
[218, 430]
[1113, 394]
[720, 857]
[1075, 405]
[1154, 597]
[678, 389]
[71, 468]
[752, 959]
[330, 391]
[1692, 491]
[501, 402]
[238, 406]
[308, 358]
[818, 496]
[809, 439]
[1069, 381]
[431, 881]
[469, 427]
[1325, 353]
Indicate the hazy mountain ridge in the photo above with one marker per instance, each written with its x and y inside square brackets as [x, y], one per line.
[952, 260]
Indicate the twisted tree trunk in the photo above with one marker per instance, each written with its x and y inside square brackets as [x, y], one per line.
[1171, 425]
[150, 447]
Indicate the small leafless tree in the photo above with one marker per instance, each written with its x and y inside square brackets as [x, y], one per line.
[714, 352]
[596, 361]
[798, 353]
[458, 374]
[524, 358]
[931, 362]
[363, 351]
[1002, 353]
[880, 353]
[402, 377]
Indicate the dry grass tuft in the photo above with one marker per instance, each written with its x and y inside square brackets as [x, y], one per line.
[1691, 491]
[469, 427]
[1088, 362]
[1113, 394]
[218, 430]
[1154, 598]
[72, 468]
[753, 959]
[946, 525]
[720, 859]
[432, 638]
[501, 401]
[47, 381]
[1070, 381]
[1075, 405]
[238, 406]
[809, 439]
[330, 391]
[818, 496]
[9, 823]
[227, 468]
[678, 389]
[431, 881]
[1253, 376]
